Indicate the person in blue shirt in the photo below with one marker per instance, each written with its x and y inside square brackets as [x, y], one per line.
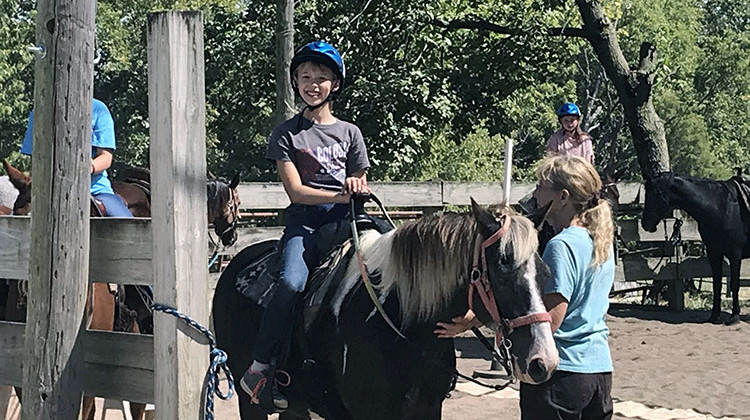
[102, 148]
[581, 261]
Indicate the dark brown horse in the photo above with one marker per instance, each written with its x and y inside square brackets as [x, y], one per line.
[127, 308]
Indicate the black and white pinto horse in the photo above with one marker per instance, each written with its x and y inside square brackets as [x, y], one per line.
[721, 210]
[346, 362]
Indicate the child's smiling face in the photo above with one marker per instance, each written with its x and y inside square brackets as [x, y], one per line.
[315, 82]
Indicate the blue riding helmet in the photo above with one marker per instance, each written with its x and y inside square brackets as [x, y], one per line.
[323, 53]
[568, 108]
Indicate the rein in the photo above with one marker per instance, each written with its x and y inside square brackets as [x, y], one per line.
[363, 269]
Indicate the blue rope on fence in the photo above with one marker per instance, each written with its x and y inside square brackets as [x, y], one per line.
[217, 357]
[213, 259]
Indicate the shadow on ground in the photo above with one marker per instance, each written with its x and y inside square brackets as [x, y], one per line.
[663, 314]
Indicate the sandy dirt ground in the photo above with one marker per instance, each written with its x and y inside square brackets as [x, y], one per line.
[668, 366]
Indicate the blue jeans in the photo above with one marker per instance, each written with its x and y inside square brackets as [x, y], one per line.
[298, 255]
[114, 204]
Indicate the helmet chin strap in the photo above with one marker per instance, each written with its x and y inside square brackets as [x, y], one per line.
[314, 107]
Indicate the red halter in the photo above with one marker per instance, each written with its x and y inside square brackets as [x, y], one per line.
[480, 282]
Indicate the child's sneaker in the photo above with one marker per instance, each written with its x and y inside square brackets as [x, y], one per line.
[254, 383]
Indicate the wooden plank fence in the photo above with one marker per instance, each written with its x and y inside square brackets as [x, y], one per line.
[120, 365]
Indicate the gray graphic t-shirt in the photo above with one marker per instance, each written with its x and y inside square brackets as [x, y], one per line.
[324, 155]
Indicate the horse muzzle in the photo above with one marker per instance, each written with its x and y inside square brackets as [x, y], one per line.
[541, 361]
[229, 237]
[648, 226]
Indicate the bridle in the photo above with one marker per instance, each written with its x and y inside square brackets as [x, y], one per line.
[233, 211]
[480, 283]
[231, 227]
[660, 194]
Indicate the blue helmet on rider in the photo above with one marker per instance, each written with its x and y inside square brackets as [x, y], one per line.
[323, 53]
[568, 108]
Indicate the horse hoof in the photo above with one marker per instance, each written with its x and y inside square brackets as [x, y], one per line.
[734, 319]
[714, 319]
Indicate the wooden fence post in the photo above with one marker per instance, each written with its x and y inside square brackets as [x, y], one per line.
[177, 113]
[58, 269]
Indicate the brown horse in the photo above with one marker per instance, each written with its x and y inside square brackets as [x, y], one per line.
[105, 309]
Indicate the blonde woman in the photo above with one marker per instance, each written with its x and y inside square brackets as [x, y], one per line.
[582, 268]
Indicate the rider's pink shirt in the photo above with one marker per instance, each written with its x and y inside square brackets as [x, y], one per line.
[560, 144]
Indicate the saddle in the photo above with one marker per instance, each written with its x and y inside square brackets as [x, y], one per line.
[98, 209]
[259, 280]
[140, 177]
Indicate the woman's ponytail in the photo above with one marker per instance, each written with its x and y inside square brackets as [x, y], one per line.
[598, 222]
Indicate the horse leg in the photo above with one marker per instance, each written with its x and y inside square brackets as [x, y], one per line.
[137, 410]
[734, 284]
[88, 408]
[101, 317]
[716, 269]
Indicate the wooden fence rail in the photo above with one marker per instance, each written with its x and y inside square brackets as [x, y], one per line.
[432, 194]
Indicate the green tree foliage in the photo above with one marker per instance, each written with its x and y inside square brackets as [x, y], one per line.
[431, 102]
[16, 33]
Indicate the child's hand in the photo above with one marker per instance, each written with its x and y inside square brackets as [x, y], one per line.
[355, 185]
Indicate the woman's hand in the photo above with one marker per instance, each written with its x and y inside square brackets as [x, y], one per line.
[457, 325]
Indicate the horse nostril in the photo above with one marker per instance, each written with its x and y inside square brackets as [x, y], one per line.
[538, 370]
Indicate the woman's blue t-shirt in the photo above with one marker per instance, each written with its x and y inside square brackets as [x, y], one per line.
[582, 336]
[102, 136]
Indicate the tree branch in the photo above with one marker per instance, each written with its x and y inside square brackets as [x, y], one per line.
[483, 24]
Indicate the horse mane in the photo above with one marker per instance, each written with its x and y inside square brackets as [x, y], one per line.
[8, 192]
[426, 260]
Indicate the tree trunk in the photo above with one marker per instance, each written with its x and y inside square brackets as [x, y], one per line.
[284, 51]
[633, 87]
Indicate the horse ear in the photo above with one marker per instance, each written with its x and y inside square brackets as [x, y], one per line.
[485, 220]
[235, 181]
[539, 214]
[17, 178]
